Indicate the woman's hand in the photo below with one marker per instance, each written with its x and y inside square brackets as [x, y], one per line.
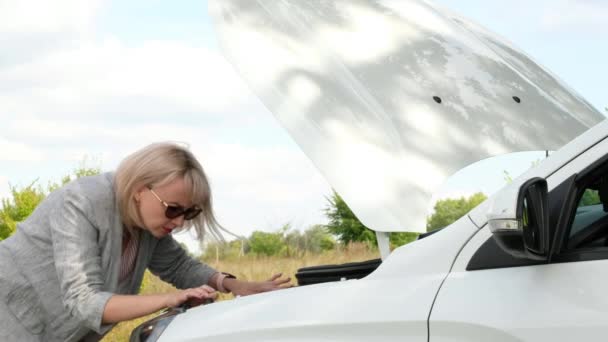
[125, 307]
[244, 288]
[194, 296]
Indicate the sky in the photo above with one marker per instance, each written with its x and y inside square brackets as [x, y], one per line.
[98, 79]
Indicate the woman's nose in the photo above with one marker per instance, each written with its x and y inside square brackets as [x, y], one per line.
[178, 221]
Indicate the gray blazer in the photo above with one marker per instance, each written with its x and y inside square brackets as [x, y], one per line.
[62, 264]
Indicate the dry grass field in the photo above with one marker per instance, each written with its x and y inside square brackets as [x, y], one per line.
[250, 268]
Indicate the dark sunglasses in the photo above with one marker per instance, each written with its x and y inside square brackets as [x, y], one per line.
[173, 211]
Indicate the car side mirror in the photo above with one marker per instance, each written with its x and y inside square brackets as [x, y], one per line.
[527, 235]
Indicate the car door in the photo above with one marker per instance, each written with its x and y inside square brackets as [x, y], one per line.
[491, 296]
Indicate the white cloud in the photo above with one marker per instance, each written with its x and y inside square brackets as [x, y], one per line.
[18, 151]
[62, 131]
[46, 129]
[271, 186]
[272, 174]
[107, 98]
[30, 16]
[4, 189]
[154, 78]
[576, 15]
[30, 29]
[70, 141]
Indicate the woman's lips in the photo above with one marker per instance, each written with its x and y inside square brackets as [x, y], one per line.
[167, 230]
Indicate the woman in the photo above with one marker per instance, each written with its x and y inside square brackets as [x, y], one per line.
[73, 268]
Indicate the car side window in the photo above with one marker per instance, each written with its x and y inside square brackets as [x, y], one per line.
[588, 211]
[589, 227]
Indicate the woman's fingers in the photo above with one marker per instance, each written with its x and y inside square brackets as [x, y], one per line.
[282, 285]
[274, 277]
[199, 292]
[282, 281]
[204, 291]
[277, 282]
[197, 295]
[207, 292]
[208, 289]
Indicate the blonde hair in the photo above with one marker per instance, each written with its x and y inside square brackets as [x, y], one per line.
[158, 164]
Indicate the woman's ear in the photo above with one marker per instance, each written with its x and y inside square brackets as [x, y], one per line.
[138, 192]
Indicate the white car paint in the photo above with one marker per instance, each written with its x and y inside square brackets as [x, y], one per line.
[550, 302]
[392, 303]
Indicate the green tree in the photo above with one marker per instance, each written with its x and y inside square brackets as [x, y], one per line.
[263, 243]
[24, 200]
[590, 197]
[450, 210]
[317, 239]
[346, 226]
[400, 239]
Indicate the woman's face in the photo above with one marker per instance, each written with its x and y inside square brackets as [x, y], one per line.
[152, 210]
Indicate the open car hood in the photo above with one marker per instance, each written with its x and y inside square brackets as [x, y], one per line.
[389, 98]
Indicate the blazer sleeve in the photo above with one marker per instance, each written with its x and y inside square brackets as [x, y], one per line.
[172, 264]
[78, 260]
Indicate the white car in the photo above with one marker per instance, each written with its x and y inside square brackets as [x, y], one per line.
[359, 84]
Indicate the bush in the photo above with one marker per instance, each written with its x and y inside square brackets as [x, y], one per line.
[450, 210]
[347, 227]
[24, 200]
[285, 242]
[269, 244]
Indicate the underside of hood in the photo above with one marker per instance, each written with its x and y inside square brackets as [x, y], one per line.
[389, 98]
